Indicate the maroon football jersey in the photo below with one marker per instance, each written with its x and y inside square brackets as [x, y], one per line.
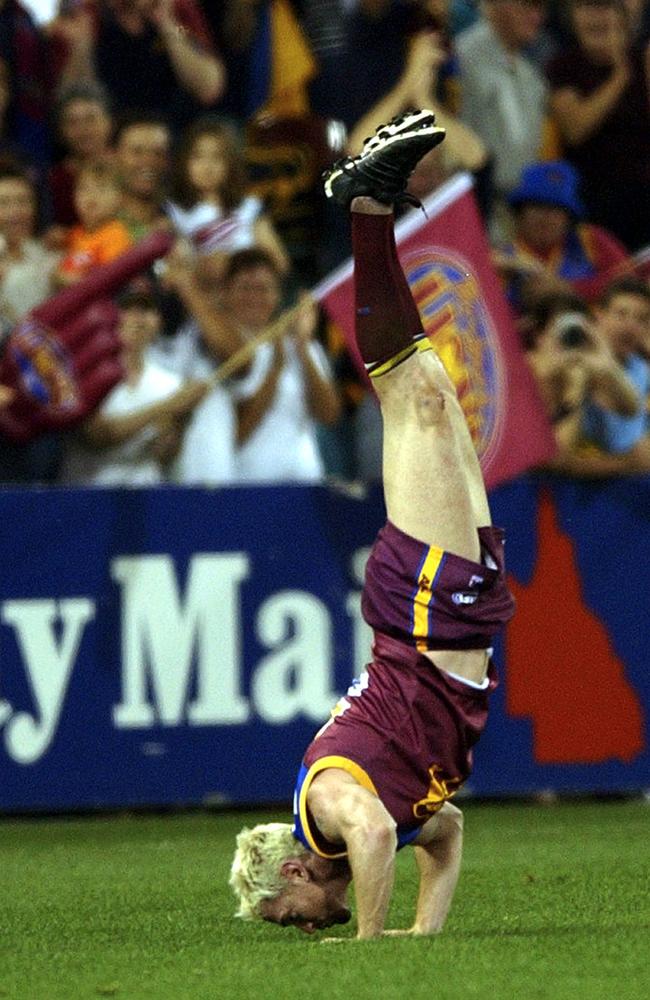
[405, 730]
[433, 599]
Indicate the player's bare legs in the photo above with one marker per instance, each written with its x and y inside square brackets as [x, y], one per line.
[430, 465]
[433, 484]
[432, 480]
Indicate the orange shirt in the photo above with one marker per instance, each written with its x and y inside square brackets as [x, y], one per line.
[86, 250]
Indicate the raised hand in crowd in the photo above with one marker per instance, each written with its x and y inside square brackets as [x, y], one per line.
[416, 87]
[6, 395]
[573, 366]
[322, 396]
[218, 330]
[177, 55]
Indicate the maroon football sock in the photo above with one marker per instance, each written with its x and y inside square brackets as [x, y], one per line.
[387, 318]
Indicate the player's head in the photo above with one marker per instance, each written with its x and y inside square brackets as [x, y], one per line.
[276, 879]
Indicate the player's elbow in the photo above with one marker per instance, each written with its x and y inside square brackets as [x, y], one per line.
[378, 835]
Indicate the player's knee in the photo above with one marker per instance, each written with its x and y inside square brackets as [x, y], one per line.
[419, 389]
[430, 389]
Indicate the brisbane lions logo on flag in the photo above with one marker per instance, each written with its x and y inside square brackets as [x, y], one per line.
[44, 368]
[459, 324]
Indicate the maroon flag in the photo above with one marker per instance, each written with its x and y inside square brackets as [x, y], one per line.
[62, 359]
[446, 258]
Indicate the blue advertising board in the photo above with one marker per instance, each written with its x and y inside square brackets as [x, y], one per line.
[181, 646]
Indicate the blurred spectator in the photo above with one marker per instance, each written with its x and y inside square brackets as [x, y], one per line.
[361, 48]
[151, 55]
[137, 430]
[638, 12]
[601, 103]
[204, 341]
[142, 152]
[417, 87]
[24, 68]
[503, 92]
[376, 35]
[268, 60]
[624, 323]
[210, 190]
[574, 366]
[289, 386]
[83, 125]
[463, 14]
[100, 236]
[286, 157]
[26, 266]
[552, 249]
[287, 146]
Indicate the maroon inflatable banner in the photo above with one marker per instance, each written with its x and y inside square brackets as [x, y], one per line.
[446, 258]
[63, 358]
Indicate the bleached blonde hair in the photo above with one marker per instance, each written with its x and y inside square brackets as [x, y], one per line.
[255, 873]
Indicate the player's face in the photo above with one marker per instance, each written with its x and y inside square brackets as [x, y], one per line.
[313, 902]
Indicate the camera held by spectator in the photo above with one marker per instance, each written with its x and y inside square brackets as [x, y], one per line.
[573, 365]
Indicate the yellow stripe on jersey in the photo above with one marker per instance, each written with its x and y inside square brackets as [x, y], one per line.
[424, 595]
[393, 362]
[345, 764]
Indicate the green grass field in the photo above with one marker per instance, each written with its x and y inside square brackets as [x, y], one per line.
[554, 902]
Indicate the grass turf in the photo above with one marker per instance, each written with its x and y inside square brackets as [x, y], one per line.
[553, 903]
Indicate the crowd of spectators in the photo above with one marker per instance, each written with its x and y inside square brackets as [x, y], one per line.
[119, 117]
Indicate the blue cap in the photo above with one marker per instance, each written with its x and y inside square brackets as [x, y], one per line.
[553, 183]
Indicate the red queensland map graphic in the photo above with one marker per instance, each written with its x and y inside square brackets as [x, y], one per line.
[562, 672]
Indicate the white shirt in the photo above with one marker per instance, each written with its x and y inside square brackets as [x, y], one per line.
[283, 447]
[129, 463]
[503, 100]
[210, 229]
[207, 453]
[27, 282]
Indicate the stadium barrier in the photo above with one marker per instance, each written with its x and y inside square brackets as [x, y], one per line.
[180, 646]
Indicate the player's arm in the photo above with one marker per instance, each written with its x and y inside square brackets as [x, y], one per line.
[344, 811]
[438, 851]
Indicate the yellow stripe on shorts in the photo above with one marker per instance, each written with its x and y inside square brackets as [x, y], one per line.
[424, 595]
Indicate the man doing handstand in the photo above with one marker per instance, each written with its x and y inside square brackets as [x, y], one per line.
[380, 773]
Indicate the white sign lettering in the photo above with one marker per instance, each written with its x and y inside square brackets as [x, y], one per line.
[162, 635]
[296, 677]
[48, 664]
